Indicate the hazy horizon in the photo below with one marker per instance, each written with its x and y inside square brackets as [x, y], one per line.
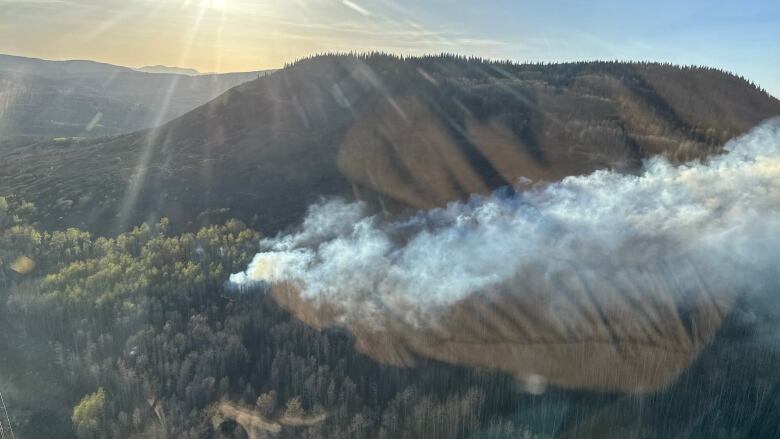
[223, 36]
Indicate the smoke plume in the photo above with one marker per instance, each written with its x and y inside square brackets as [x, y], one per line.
[718, 219]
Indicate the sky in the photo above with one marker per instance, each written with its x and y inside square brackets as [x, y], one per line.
[242, 35]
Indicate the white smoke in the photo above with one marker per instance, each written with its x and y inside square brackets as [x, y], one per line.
[721, 215]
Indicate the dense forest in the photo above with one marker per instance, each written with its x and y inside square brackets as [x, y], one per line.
[139, 335]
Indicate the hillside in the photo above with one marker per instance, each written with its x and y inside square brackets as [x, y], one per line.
[400, 134]
[169, 70]
[89, 99]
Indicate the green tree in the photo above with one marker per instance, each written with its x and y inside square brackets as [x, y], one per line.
[89, 413]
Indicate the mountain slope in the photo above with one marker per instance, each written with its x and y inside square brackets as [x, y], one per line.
[86, 98]
[399, 134]
[169, 70]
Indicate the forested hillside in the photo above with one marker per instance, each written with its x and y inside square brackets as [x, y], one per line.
[401, 134]
[139, 335]
[116, 313]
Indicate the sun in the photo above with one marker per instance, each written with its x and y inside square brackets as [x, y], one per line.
[219, 4]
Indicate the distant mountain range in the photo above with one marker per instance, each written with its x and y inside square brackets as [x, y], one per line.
[90, 99]
[169, 70]
[400, 134]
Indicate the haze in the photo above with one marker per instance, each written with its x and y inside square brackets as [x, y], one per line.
[244, 35]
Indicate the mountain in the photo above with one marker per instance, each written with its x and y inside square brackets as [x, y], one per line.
[400, 134]
[89, 99]
[169, 70]
[19, 64]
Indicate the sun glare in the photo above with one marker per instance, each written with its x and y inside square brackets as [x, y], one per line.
[219, 4]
